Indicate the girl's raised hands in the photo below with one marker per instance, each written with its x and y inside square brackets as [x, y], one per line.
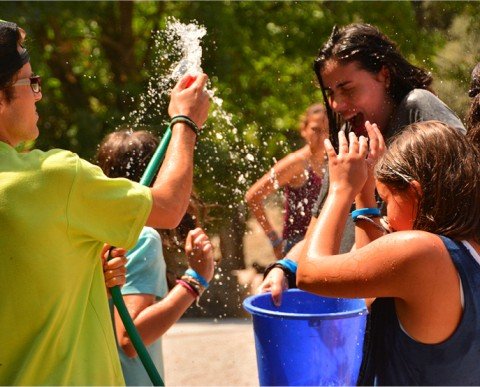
[349, 169]
[377, 144]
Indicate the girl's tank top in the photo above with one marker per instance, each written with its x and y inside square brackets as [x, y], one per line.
[298, 206]
[391, 357]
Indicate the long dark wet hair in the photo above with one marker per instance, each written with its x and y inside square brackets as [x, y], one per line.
[371, 49]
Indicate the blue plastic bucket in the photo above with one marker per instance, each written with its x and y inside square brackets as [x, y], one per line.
[309, 340]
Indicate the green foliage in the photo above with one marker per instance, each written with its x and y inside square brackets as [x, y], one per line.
[96, 59]
[456, 59]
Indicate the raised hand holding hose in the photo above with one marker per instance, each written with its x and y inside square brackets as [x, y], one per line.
[172, 187]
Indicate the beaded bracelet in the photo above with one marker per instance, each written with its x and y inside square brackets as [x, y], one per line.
[199, 289]
[187, 121]
[189, 288]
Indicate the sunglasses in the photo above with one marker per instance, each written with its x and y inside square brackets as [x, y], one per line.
[35, 82]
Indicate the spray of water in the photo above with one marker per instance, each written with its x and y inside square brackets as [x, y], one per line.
[177, 51]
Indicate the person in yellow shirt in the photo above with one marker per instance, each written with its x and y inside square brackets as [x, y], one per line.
[56, 211]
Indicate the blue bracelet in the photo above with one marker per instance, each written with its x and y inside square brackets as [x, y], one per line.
[192, 273]
[366, 212]
[276, 242]
[288, 264]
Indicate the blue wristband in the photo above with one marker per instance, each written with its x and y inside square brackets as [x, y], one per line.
[366, 212]
[276, 242]
[289, 264]
[192, 273]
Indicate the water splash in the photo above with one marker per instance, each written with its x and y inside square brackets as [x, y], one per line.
[177, 50]
[224, 162]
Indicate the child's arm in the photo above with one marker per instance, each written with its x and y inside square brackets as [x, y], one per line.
[152, 318]
[382, 267]
[283, 173]
[276, 281]
[365, 232]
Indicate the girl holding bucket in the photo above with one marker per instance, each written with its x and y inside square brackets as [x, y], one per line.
[364, 77]
[424, 276]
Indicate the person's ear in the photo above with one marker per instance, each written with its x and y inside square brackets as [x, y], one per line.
[415, 190]
[303, 131]
[384, 76]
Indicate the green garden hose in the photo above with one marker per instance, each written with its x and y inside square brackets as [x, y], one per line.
[144, 356]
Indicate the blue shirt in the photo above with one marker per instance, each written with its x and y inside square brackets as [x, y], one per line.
[146, 274]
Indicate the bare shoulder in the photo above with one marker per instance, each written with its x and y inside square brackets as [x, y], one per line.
[412, 244]
[291, 165]
[413, 254]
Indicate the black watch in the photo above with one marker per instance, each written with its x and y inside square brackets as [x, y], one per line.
[291, 277]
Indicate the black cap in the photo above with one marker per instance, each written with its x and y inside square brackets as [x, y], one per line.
[11, 60]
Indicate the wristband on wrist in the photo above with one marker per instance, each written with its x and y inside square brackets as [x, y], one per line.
[289, 274]
[185, 120]
[189, 288]
[368, 212]
[289, 264]
[276, 242]
[192, 273]
[373, 223]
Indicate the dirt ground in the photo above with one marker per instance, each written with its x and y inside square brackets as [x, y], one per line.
[200, 352]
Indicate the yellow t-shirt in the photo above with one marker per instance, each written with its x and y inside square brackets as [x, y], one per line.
[56, 210]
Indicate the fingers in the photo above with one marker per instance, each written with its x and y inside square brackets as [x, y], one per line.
[198, 241]
[276, 284]
[372, 136]
[363, 147]
[342, 143]
[115, 281]
[197, 81]
[114, 271]
[207, 249]
[277, 292]
[185, 82]
[201, 81]
[188, 243]
[377, 143]
[117, 252]
[115, 263]
[329, 150]
[354, 144]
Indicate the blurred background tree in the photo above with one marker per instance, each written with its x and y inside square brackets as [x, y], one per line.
[96, 58]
